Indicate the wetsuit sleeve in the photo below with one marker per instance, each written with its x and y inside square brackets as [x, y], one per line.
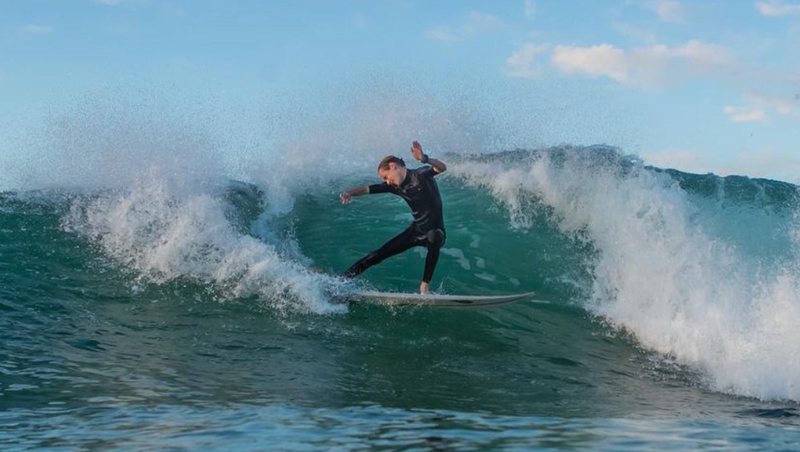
[426, 171]
[380, 188]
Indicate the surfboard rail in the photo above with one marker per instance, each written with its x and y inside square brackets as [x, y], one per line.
[435, 300]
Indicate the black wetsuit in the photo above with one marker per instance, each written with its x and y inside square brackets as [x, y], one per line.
[420, 191]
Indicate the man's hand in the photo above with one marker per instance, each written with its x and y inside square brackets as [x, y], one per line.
[347, 196]
[416, 151]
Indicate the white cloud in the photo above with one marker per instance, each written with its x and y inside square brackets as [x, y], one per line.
[530, 9]
[521, 63]
[667, 10]
[644, 66]
[775, 8]
[475, 24]
[37, 29]
[782, 105]
[759, 107]
[703, 56]
[744, 114]
[596, 61]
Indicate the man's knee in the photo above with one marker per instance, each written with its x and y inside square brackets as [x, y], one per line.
[436, 238]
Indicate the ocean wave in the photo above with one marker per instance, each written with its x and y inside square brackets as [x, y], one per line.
[697, 267]
[664, 268]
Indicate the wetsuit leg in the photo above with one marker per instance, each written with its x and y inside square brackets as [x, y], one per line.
[401, 242]
[434, 240]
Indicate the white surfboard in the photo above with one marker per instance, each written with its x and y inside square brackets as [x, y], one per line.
[435, 300]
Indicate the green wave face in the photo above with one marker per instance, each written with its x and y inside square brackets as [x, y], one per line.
[662, 285]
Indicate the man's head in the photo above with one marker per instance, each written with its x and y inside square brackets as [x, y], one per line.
[392, 170]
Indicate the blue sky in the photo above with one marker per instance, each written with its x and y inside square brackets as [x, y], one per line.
[695, 85]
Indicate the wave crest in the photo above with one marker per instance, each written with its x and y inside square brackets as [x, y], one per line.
[663, 267]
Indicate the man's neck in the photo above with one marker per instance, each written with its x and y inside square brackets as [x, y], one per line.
[405, 177]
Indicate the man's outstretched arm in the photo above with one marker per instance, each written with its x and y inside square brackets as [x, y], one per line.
[347, 196]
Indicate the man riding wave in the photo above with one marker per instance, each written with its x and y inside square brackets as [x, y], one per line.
[419, 189]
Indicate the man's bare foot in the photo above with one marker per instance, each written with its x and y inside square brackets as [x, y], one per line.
[423, 288]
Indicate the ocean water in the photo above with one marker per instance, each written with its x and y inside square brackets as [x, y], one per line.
[165, 305]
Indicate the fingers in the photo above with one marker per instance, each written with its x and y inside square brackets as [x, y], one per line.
[345, 197]
[416, 150]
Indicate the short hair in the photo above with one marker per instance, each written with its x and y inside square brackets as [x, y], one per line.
[384, 165]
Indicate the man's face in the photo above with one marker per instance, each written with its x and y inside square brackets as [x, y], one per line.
[394, 175]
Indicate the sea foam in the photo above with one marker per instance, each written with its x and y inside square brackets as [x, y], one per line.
[166, 231]
[660, 272]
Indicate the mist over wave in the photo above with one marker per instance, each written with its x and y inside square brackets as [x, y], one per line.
[149, 178]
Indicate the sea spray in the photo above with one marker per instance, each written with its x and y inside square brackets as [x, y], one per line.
[149, 183]
[657, 271]
[164, 231]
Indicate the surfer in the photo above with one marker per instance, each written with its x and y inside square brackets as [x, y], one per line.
[418, 188]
